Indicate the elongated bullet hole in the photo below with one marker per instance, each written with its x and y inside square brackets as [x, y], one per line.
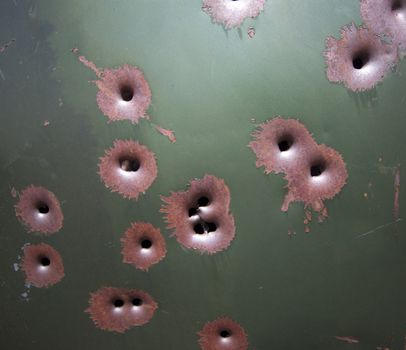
[127, 93]
[360, 60]
[317, 170]
[396, 5]
[199, 229]
[45, 261]
[146, 243]
[118, 303]
[129, 164]
[192, 212]
[43, 208]
[203, 201]
[137, 302]
[211, 227]
[225, 333]
[285, 144]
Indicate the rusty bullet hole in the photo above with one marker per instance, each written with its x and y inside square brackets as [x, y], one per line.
[204, 227]
[137, 302]
[396, 5]
[127, 164]
[44, 261]
[118, 303]
[146, 243]
[285, 143]
[203, 201]
[317, 169]
[360, 59]
[225, 333]
[199, 229]
[192, 212]
[127, 93]
[43, 208]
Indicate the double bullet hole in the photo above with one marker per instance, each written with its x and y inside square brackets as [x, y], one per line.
[118, 303]
[129, 164]
[202, 226]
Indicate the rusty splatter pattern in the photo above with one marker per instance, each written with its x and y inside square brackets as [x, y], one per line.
[143, 245]
[119, 309]
[42, 264]
[128, 168]
[200, 216]
[39, 210]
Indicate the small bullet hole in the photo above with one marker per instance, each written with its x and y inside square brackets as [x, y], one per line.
[211, 227]
[118, 303]
[203, 201]
[316, 170]
[192, 212]
[137, 302]
[284, 145]
[127, 93]
[225, 334]
[45, 261]
[360, 60]
[43, 208]
[397, 5]
[199, 229]
[146, 243]
[129, 164]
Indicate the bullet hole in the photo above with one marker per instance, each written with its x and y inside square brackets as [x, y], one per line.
[45, 261]
[192, 212]
[137, 302]
[146, 243]
[203, 201]
[199, 229]
[118, 303]
[43, 208]
[397, 5]
[225, 333]
[360, 60]
[285, 143]
[129, 165]
[317, 170]
[211, 227]
[127, 93]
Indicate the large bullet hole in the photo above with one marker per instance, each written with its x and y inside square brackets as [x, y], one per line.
[317, 169]
[203, 201]
[192, 212]
[129, 164]
[285, 143]
[44, 261]
[397, 5]
[118, 303]
[199, 229]
[360, 59]
[146, 243]
[225, 333]
[127, 93]
[137, 302]
[43, 208]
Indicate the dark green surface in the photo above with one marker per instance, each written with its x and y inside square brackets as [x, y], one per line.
[207, 84]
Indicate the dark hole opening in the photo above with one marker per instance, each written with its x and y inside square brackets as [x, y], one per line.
[45, 261]
[127, 93]
[129, 164]
[137, 302]
[118, 302]
[397, 5]
[192, 212]
[146, 243]
[360, 60]
[284, 145]
[225, 333]
[43, 208]
[203, 201]
[199, 229]
[317, 170]
[211, 227]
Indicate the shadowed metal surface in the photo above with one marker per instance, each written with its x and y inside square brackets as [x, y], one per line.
[344, 278]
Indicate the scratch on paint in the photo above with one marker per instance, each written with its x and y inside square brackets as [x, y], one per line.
[166, 132]
[349, 340]
[378, 228]
[397, 193]
[2, 75]
[6, 45]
